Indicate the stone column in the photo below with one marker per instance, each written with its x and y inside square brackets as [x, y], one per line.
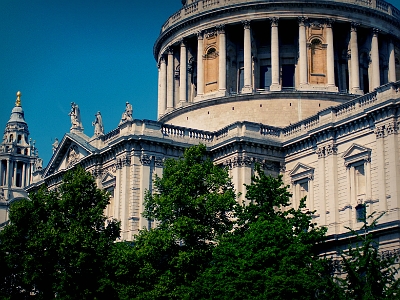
[222, 59]
[330, 56]
[311, 194]
[275, 84]
[183, 74]
[1, 173]
[162, 102]
[355, 68]
[170, 79]
[332, 187]
[200, 66]
[14, 178]
[392, 62]
[375, 60]
[23, 175]
[302, 52]
[247, 88]
[321, 183]
[381, 170]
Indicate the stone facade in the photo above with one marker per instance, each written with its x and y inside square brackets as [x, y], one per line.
[19, 161]
[305, 88]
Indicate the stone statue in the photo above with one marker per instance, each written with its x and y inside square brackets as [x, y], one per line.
[75, 115]
[39, 163]
[127, 114]
[98, 125]
[55, 145]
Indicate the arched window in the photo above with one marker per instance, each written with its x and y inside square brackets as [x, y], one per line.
[11, 138]
[19, 139]
[317, 62]
[211, 70]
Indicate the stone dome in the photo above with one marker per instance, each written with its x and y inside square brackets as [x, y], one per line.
[271, 62]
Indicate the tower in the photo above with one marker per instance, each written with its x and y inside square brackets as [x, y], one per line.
[18, 160]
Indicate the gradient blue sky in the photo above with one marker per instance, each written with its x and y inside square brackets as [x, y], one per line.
[97, 53]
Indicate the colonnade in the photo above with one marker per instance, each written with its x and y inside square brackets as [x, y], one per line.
[14, 168]
[168, 99]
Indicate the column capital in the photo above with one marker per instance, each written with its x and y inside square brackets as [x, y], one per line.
[182, 42]
[274, 21]
[162, 59]
[199, 35]
[221, 28]
[246, 24]
[169, 51]
[329, 22]
[302, 21]
[210, 32]
[354, 26]
[375, 31]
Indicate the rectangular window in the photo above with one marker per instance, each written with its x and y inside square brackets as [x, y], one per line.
[361, 212]
[265, 77]
[288, 76]
[240, 80]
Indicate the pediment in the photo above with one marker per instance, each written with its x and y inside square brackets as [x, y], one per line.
[356, 153]
[301, 171]
[71, 150]
[108, 180]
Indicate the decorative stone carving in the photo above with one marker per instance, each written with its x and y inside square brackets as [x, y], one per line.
[274, 21]
[158, 161]
[75, 115]
[127, 114]
[55, 145]
[326, 150]
[98, 125]
[73, 155]
[145, 160]
[246, 24]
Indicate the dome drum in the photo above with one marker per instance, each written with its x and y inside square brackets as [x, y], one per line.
[256, 52]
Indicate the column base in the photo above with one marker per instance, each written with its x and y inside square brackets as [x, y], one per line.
[303, 87]
[275, 88]
[210, 95]
[246, 90]
[356, 91]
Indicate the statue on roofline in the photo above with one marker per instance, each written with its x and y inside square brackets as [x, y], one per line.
[127, 114]
[75, 115]
[98, 125]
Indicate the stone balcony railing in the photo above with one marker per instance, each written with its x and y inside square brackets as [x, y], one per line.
[332, 115]
[203, 6]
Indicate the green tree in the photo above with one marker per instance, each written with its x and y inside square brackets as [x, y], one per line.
[191, 206]
[271, 254]
[58, 241]
[368, 274]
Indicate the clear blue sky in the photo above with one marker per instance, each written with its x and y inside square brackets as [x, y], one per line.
[97, 53]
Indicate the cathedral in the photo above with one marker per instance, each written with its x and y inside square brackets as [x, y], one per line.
[307, 89]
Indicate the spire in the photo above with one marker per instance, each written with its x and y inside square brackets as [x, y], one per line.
[18, 101]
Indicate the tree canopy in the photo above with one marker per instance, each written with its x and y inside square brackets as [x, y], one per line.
[58, 241]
